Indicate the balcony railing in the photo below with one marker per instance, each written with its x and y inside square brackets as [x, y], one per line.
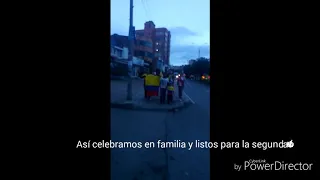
[143, 48]
[116, 52]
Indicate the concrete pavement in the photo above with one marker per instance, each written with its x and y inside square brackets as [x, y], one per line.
[171, 163]
[199, 93]
[119, 94]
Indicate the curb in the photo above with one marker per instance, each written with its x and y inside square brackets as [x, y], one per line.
[118, 78]
[125, 105]
[122, 78]
[133, 106]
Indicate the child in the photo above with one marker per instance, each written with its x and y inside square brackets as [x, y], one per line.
[170, 92]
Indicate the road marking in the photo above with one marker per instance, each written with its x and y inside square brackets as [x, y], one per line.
[188, 84]
[188, 97]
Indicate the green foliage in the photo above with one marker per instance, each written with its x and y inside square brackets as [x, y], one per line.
[198, 68]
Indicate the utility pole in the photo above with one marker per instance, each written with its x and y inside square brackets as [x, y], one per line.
[199, 53]
[130, 54]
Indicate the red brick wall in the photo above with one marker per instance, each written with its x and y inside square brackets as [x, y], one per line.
[143, 48]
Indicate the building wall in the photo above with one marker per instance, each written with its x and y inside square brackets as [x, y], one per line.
[146, 35]
[160, 38]
[160, 65]
[125, 53]
[137, 61]
[163, 39]
[119, 46]
[139, 33]
[137, 66]
[119, 53]
[149, 29]
[144, 48]
[119, 40]
[150, 32]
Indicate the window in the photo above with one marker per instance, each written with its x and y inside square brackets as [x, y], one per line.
[145, 43]
[159, 33]
[143, 54]
[158, 54]
[149, 55]
[159, 38]
[139, 53]
[119, 53]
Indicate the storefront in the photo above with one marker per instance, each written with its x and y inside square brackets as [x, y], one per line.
[160, 65]
[138, 65]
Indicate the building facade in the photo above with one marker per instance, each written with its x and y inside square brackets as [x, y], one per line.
[156, 41]
[144, 46]
[119, 47]
[144, 50]
[162, 45]
[119, 57]
[119, 53]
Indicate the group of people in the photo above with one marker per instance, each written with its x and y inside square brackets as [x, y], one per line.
[166, 86]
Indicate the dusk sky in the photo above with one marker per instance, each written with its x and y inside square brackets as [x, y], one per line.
[188, 21]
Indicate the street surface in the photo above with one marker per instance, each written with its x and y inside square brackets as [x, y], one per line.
[186, 125]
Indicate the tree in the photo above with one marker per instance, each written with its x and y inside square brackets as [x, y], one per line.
[198, 68]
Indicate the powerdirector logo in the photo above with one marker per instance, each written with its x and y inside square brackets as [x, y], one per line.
[262, 165]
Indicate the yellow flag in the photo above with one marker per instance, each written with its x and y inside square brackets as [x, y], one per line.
[152, 80]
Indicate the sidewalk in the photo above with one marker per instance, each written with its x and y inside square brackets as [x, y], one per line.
[119, 95]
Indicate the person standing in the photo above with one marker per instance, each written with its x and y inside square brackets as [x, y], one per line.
[171, 77]
[163, 88]
[143, 76]
[170, 88]
[180, 82]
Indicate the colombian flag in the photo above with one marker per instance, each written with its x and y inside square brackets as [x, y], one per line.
[152, 84]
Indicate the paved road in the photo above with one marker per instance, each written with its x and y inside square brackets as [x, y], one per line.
[172, 163]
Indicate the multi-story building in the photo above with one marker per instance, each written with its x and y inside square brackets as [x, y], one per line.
[144, 50]
[162, 45]
[120, 53]
[159, 47]
[144, 46]
[119, 46]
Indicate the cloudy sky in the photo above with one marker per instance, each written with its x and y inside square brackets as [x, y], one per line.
[188, 21]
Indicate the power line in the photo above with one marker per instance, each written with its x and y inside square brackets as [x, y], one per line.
[145, 9]
[148, 7]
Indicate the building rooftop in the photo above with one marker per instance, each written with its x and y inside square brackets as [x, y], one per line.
[148, 22]
[119, 40]
[163, 29]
